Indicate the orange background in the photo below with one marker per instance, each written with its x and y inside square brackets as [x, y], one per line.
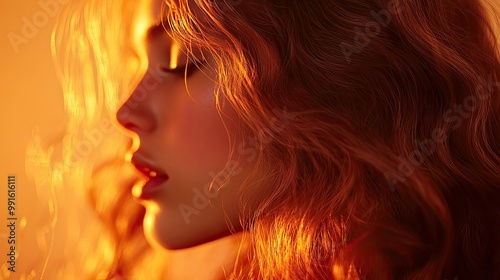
[30, 98]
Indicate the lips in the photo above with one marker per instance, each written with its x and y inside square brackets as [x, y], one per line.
[148, 169]
[154, 177]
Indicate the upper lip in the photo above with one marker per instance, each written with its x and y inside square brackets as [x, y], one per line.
[147, 167]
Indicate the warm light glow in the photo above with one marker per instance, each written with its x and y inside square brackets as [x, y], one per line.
[137, 188]
[149, 224]
[135, 146]
[338, 271]
[23, 222]
[174, 53]
[141, 24]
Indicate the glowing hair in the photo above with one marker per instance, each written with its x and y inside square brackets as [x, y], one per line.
[367, 87]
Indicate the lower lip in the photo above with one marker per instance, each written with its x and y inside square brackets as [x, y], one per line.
[149, 189]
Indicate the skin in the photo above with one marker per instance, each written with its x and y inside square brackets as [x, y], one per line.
[184, 135]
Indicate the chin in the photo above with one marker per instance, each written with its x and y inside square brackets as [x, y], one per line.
[163, 231]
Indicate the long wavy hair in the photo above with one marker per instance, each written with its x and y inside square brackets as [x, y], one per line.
[386, 164]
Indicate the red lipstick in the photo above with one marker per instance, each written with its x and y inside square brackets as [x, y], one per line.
[153, 176]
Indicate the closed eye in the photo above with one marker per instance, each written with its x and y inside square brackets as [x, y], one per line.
[185, 70]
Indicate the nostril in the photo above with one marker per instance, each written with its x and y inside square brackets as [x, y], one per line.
[139, 119]
[124, 119]
[122, 115]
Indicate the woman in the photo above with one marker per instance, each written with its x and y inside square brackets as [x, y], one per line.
[293, 139]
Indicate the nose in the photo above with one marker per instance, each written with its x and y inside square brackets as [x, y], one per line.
[137, 113]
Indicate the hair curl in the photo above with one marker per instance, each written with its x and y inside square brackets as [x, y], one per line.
[387, 164]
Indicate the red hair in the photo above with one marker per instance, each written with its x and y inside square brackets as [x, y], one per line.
[370, 86]
[377, 123]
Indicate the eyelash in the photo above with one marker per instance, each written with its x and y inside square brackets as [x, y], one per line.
[181, 70]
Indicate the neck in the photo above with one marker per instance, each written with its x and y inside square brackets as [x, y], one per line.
[212, 260]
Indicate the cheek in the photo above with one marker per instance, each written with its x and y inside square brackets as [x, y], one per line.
[202, 136]
[194, 144]
[199, 135]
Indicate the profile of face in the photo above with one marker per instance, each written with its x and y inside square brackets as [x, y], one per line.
[183, 144]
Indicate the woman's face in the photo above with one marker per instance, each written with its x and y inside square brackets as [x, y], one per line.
[181, 137]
